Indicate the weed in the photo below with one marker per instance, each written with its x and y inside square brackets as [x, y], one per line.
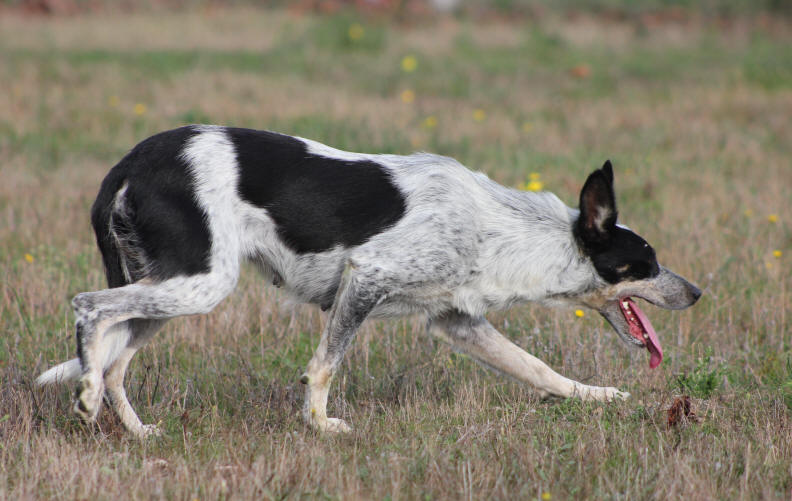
[702, 380]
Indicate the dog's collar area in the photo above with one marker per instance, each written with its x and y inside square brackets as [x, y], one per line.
[641, 329]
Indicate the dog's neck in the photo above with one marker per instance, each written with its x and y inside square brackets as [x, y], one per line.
[529, 252]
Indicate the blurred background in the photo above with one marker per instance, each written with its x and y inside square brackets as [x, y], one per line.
[506, 85]
[692, 101]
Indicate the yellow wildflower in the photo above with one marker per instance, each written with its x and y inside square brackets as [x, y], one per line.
[773, 218]
[527, 127]
[534, 186]
[356, 32]
[546, 496]
[113, 101]
[479, 115]
[28, 258]
[748, 213]
[777, 253]
[407, 96]
[430, 122]
[409, 64]
[579, 313]
[140, 109]
[531, 186]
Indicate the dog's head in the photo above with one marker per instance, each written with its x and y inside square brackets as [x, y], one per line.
[628, 267]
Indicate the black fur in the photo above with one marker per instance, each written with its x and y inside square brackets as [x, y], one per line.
[627, 256]
[161, 213]
[100, 220]
[617, 253]
[597, 207]
[316, 202]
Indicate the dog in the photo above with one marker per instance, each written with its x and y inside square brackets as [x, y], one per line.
[361, 235]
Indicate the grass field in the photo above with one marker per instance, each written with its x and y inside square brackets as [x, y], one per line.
[694, 115]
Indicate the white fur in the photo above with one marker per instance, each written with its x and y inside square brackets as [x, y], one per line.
[67, 371]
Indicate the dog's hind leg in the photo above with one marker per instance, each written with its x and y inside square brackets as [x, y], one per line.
[478, 338]
[357, 295]
[141, 331]
[98, 312]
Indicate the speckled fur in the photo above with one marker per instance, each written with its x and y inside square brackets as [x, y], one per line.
[464, 245]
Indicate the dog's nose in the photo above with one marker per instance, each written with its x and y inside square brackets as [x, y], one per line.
[695, 292]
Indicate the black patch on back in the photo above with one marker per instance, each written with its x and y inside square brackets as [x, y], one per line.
[316, 202]
[163, 215]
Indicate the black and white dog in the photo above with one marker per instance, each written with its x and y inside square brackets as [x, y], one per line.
[359, 234]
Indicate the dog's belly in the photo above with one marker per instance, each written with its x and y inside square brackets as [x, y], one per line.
[403, 305]
[315, 278]
[310, 278]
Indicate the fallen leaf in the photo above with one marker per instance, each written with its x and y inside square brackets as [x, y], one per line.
[681, 411]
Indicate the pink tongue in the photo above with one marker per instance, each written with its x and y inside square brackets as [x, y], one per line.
[652, 344]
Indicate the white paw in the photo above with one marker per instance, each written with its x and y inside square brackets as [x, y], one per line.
[148, 431]
[601, 393]
[609, 394]
[335, 425]
[330, 425]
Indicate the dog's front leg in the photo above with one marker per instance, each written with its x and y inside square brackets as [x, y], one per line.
[478, 338]
[356, 297]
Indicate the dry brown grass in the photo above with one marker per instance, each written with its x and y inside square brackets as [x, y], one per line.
[698, 138]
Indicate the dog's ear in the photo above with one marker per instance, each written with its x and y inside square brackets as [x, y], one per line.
[597, 207]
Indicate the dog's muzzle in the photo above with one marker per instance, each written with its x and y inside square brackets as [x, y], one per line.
[666, 290]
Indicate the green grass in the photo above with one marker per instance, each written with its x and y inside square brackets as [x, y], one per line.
[695, 117]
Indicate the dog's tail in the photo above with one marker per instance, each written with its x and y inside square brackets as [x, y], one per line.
[112, 218]
[67, 371]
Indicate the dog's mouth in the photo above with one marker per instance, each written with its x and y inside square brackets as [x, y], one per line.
[641, 330]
